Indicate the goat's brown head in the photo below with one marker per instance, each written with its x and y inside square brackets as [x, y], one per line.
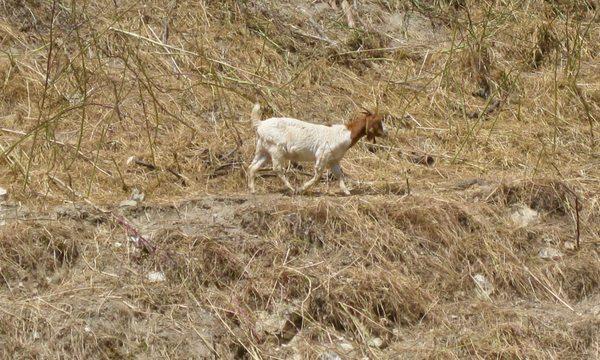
[374, 126]
[367, 124]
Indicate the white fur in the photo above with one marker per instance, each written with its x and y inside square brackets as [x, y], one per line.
[287, 139]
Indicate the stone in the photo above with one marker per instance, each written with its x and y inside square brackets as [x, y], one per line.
[3, 194]
[128, 203]
[549, 253]
[524, 216]
[134, 239]
[330, 355]
[346, 346]
[484, 287]
[279, 321]
[569, 245]
[270, 323]
[156, 276]
[137, 195]
[375, 342]
[130, 160]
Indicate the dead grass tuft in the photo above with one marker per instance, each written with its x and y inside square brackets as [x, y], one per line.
[34, 254]
[549, 196]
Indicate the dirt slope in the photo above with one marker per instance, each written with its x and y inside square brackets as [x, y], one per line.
[270, 275]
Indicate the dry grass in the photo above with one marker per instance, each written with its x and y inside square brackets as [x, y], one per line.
[492, 105]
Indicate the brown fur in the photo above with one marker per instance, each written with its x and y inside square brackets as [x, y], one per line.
[366, 124]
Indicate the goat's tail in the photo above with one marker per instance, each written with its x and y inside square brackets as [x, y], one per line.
[255, 115]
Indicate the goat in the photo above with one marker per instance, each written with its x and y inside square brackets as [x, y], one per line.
[287, 139]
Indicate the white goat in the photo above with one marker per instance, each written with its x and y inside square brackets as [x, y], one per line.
[287, 139]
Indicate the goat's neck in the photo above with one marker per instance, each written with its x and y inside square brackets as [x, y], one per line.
[358, 129]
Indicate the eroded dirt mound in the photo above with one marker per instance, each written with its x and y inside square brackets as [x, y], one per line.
[272, 275]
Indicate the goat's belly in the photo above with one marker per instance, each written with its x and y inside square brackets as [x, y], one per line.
[300, 155]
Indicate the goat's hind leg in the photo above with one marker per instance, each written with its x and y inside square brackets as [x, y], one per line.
[259, 160]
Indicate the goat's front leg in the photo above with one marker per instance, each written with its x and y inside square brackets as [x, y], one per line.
[337, 172]
[259, 160]
[319, 169]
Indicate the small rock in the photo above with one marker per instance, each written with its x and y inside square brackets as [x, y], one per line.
[296, 355]
[156, 276]
[346, 346]
[375, 342]
[136, 195]
[139, 241]
[484, 287]
[330, 355]
[569, 245]
[130, 160]
[270, 323]
[117, 244]
[524, 215]
[128, 203]
[549, 253]
[87, 329]
[3, 194]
